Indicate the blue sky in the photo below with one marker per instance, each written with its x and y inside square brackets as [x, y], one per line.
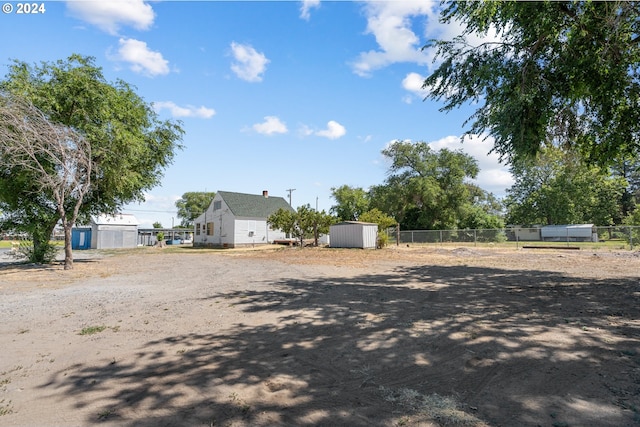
[272, 95]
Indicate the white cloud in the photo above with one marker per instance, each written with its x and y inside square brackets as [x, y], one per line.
[413, 83]
[305, 9]
[110, 15]
[270, 126]
[305, 130]
[141, 59]
[155, 208]
[187, 111]
[334, 130]
[249, 64]
[394, 25]
[391, 25]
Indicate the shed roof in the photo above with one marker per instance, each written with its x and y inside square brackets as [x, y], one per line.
[253, 205]
[117, 219]
[549, 227]
[355, 223]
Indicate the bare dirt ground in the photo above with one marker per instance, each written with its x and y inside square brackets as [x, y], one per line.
[323, 337]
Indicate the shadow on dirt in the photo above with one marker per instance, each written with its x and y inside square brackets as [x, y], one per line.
[519, 348]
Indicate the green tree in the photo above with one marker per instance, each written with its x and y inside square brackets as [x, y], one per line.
[53, 162]
[560, 188]
[130, 145]
[383, 220]
[483, 211]
[560, 73]
[191, 205]
[285, 220]
[303, 223]
[157, 224]
[351, 202]
[321, 221]
[629, 169]
[425, 189]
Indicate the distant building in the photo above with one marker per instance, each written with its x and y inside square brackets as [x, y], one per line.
[569, 233]
[107, 232]
[238, 219]
[554, 233]
[522, 233]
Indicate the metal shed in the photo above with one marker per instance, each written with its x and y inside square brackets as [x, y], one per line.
[569, 233]
[354, 234]
[114, 231]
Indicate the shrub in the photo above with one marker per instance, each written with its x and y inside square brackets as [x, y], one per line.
[383, 239]
[45, 253]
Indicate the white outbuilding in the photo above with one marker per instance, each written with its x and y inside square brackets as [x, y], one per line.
[114, 231]
[354, 234]
[569, 233]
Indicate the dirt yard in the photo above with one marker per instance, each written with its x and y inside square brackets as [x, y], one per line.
[323, 337]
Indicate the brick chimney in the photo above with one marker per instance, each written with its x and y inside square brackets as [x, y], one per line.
[265, 194]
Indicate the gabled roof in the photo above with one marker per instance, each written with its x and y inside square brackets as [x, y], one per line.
[252, 205]
[355, 223]
[117, 219]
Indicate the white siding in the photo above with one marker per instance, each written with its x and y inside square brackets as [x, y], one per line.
[250, 231]
[114, 231]
[223, 225]
[581, 232]
[114, 237]
[230, 231]
[255, 231]
[527, 233]
[354, 235]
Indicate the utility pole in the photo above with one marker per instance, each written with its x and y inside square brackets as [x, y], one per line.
[290, 190]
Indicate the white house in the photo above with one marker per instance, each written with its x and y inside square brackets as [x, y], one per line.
[238, 219]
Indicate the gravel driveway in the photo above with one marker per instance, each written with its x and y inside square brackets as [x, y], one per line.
[291, 337]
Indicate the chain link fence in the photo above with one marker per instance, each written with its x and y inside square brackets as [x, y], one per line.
[613, 237]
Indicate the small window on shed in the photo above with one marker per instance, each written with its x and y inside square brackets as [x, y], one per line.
[197, 228]
[209, 229]
[217, 205]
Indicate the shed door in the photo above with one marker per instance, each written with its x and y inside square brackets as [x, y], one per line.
[81, 239]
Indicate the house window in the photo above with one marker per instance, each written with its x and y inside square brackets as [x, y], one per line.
[217, 205]
[209, 229]
[197, 229]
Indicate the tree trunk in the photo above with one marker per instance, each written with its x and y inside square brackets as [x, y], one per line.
[68, 252]
[315, 235]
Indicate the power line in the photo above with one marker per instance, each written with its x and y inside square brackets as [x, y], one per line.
[148, 210]
[290, 190]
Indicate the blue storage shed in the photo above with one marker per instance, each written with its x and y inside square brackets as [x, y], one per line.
[81, 238]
